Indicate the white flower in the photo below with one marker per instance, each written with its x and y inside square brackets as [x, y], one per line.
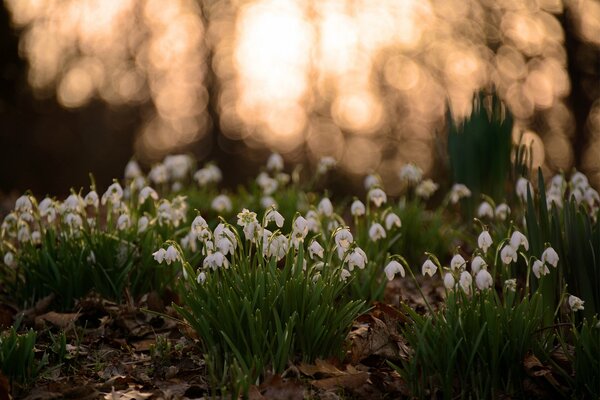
[73, 203]
[143, 223]
[132, 170]
[36, 237]
[344, 275]
[325, 207]
[521, 188]
[457, 263]
[508, 254]
[575, 303]
[221, 203]
[484, 279]
[426, 189]
[277, 246]
[511, 285]
[300, 226]
[275, 162]
[178, 165]
[216, 260]
[591, 197]
[518, 239]
[550, 256]
[274, 215]
[477, 264]
[357, 258]
[315, 249]
[484, 241]
[207, 175]
[377, 196]
[159, 174]
[23, 204]
[113, 194]
[428, 268]
[267, 184]
[267, 201]
[558, 182]
[554, 196]
[24, 234]
[392, 219]
[73, 220]
[376, 232]
[502, 211]
[201, 277]
[9, 259]
[449, 281]
[372, 181]
[123, 222]
[357, 208]
[312, 219]
[465, 281]
[200, 228]
[325, 164]
[539, 269]
[159, 255]
[91, 199]
[171, 255]
[579, 180]
[411, 173]
[343, 238]
[485, 210]
[393, 268]
[458, 192]
[145, 193]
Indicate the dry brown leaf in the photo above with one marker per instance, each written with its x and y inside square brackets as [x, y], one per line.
[60, 320]
[347, 381]
[376, 337]
[320, 367]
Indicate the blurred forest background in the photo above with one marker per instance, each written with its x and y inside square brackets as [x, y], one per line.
[87, 84]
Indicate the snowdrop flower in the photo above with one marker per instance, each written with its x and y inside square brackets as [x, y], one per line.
[46, 208]
[171, 255]
[377, 196]
[552, 197]
[277, 246]
[458, 192]
[274, 215]
[465, 281]
[393, 268]
[357, 208]
[315, 249]
[428, 268]
[357, 258]
[591, 197]
[539, 269]
[484, 279]
[372, 181]
[123, 222]
[178, 210]
[23, 204]
[201, 278]
[477, 264]
[267, 184]
[91, 199]
[521, 188]
[200, 228]
[325, 207]
[132, 170]
[226, 245]
[178, 165]
[215, 261]
[267, 201]
[113, 194]
[74, 203]
[275, 162]
[502, 211]
[24, 234]
[511, 285]
[558, 182]
[9, 259]
[392, 219]
[343, 238]
[457, 263]
[145, 193]
[484, 241]
[312, 219]
[579, 180]
[376, 232]
[575, 303]
[411, 173]
[426, 189]
[159, 255]
[143, 223]
[73, 220]
[221, 203]
[27, 217]
[449, 281]
[550, 256]
[247, 219]
[159, 174]
[164, 212]
[344, 275]
[508, 254]
[325, 164]
[36, 237]
[300, 226]
[485, 210]
[518, 239]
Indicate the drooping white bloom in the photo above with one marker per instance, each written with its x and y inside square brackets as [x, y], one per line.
[591, 197]
[247, 220]
[123, 222]
[377, 196]
[159, 174]
[312, 219]
[171, 255]
[550, 256]
[207, 175]
[344, 275]
[517, 240]
[221, 203]
[9, 259]
[393, 268]
[277, 246]
[511, 285]
[485, 210]
[325, 164]
[159, 255]
[477, 264]
[577, 195]
[376, 232]
[178, 210]
[575, 303]
[484, 279]
[274, 215]
[300, 226]
[201, 278]
[325, 207]
[579, 180]
[178, 166]
[465, 281]
[73, 220]
[315, 249]
[143, 223]
[343, 238]
[457, 263]
[357, 208]
[428, 268]
[24, 233]
[267, 201]
[391, 220]
[145, 193]
[24, 204]
[275, 162]
[411, 173]
[74, 203]
[215, 261]
[521, 188]
[372, 181]
[426, 189]
[113, 194]
[36, 237]
[132, 170]
[28, 217]
[554, 196]
[357, 258]
[458, 192]
[267, 184]
[91, 199]
[502, 211]
[539, 269]
[449, 281]
[558, 182]
[484, 241]
[508, 254]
